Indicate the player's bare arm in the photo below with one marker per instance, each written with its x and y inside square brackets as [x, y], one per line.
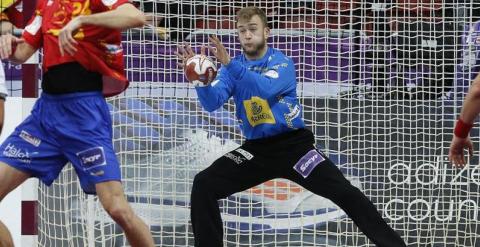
[6, 27]
[124, 17]
[461, 141]
[15, 49]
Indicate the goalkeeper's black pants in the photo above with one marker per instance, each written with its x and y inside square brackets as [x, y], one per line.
[263, 159]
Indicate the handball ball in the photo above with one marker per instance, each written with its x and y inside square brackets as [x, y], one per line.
[200, 70]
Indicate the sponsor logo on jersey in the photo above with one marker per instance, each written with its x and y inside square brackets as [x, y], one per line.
[109, 3]
[258, 111]
[294, 113]
[277, 66]
[92, 158]
[272, 74]
[30, 139]
[113, 49]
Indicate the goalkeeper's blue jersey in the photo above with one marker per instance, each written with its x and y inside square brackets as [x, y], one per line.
[264, 92]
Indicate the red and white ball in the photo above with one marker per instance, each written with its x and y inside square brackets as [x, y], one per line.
[200, 70]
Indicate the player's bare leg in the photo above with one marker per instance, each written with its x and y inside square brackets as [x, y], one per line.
[5, 237]
[113, 200]
[10, 178]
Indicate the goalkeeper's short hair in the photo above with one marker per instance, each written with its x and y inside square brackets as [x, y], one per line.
[248, 12]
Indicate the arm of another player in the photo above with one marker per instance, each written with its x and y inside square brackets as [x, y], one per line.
[18, 50]
[15, 49]
[123, 17]
[270, 84]
[470, 110]
[215, 94]
[5, 28]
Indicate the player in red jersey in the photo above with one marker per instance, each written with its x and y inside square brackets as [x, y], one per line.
[70, 122]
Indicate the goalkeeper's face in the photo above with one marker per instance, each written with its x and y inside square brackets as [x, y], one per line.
[253, 36]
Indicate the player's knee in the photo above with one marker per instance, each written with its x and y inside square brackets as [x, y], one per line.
[3, 194]
[5, 237]
[6, 242]
[121, 213]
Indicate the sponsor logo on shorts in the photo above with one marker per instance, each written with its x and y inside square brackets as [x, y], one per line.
[97, 173]
[13, 152]
[237, 159]
[30, 139]
[309, 161]
[245, 153]
[92, 158]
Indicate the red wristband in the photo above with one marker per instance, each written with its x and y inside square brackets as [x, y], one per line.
[462, 129]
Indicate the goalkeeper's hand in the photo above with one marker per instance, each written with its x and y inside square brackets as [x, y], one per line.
[219, 50]
[184, 52]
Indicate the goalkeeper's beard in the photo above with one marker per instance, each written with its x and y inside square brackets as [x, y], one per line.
[255, 52]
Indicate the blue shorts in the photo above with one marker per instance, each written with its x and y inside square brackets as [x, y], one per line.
[73, 127]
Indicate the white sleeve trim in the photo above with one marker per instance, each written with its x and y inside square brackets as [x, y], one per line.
[3, 87]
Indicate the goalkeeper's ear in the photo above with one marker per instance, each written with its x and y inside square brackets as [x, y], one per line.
[266, 32]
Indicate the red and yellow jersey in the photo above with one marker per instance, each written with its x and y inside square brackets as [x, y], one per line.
[99, 49]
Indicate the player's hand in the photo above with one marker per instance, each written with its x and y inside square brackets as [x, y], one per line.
[66, 40]
[456, 153]
[218, 50]
[184, 52]
[8, 43]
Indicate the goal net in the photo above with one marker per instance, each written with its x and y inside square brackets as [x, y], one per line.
[381, 83]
